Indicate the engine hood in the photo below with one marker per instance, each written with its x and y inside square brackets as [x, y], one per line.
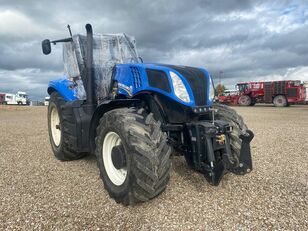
[196, 80]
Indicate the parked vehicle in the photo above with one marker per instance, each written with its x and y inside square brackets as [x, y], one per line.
[46, 100]
[280, 93]
[229, 97]
[132, 114]
[20, 98]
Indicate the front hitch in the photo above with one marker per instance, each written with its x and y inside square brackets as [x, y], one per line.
[213, 157]
[245, 161]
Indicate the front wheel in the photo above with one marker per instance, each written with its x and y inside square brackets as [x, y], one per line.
[132, 155]
[239, 127]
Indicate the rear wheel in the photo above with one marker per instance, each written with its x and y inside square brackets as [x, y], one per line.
[60, 129]
[280, 101]
[244, 100]
[132, 155]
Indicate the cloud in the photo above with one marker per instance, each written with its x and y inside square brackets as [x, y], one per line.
[16, 25]
[248, 40]
[30, 80]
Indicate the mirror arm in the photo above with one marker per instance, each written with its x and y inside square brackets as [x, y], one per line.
[61, 41]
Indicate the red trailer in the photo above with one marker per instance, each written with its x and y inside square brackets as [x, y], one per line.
[280, 93]
[2, 98]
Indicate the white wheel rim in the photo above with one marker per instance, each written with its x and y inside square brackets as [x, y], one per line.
[55, 126]
[117, 176]
[244, 100]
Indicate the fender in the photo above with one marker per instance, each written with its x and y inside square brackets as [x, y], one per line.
[102, 108]
[63, 87]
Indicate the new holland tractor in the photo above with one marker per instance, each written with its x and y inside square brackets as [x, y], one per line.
[132, 115]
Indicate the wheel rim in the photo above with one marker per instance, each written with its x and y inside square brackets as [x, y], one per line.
[244, 100]
[117, 176]
[55, 126]
[280, 101]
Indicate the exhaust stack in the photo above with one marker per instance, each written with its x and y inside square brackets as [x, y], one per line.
[91, 99]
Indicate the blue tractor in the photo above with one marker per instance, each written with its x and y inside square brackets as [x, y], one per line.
[134, 115]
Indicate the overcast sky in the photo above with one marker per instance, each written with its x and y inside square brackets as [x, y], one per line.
[247, 40]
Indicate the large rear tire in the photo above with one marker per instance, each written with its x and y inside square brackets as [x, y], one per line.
[61, 129]
[132, 155]
[280, 101]
[244, 100]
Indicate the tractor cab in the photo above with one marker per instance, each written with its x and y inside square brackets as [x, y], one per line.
[108, 51]
[242, 87]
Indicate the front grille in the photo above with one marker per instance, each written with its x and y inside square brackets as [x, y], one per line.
[197, 81]
[136, 77]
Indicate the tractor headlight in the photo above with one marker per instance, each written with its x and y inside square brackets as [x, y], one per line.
[212, 89]
[179, 88]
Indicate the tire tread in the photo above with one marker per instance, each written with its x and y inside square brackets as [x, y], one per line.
[149, 149]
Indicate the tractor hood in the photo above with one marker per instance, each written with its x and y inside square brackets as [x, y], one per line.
[190, 86]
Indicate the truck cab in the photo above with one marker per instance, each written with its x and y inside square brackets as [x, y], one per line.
[46, 100]
[22, 98]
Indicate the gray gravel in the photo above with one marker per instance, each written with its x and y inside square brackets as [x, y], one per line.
[39, 192]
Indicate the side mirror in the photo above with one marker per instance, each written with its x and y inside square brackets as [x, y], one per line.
[46, 46]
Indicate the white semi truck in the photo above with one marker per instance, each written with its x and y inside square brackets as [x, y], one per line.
[20, 98]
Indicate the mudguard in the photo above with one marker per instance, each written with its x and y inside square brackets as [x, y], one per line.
[63, 87]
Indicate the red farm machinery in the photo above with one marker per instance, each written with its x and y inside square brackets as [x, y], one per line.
[229, 97]
[280, 93]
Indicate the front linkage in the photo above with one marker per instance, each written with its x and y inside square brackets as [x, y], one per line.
[220, 146]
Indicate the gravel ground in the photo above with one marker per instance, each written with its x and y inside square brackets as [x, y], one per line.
[39, 192]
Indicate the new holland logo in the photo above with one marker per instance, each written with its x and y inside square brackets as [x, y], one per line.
[126, 88]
